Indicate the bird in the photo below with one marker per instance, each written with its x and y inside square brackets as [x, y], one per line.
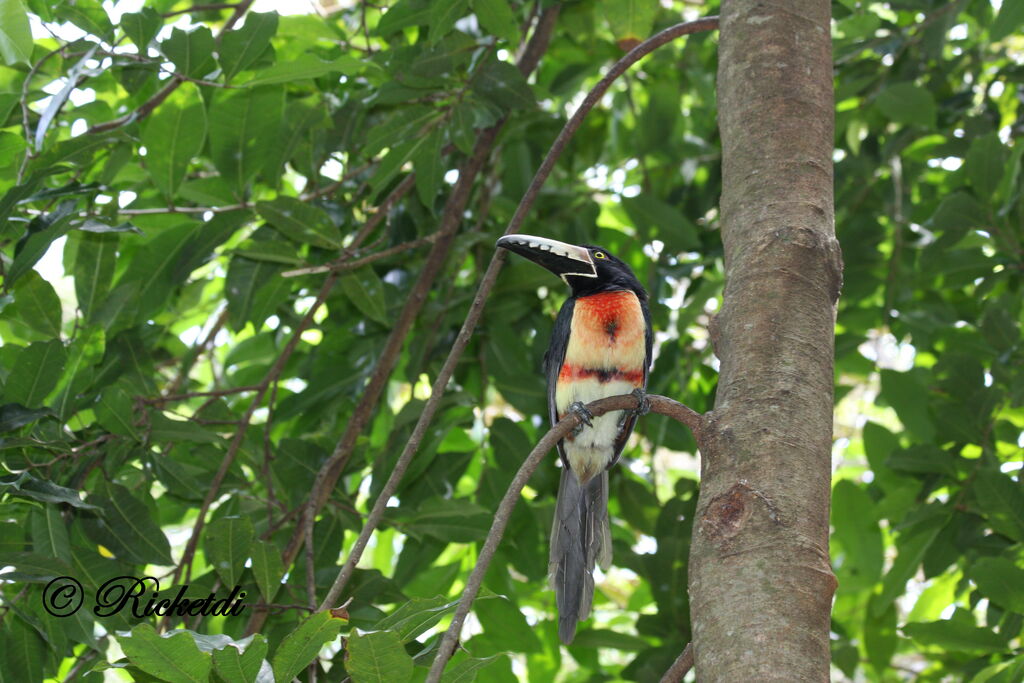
[600, 346]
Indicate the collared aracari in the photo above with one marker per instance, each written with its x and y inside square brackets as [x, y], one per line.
[600, 346]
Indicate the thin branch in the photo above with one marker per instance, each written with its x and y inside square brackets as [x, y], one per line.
[680, 667]
[543, 32]
[340, 264]
[487, 283]
[659, 404]
[275, 371]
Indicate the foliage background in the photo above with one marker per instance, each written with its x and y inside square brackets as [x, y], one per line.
[146, 328]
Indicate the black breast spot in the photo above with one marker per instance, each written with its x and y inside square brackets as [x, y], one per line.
[611, 327]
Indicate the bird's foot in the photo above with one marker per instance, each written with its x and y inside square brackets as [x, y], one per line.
[643, 403]
[585, 416]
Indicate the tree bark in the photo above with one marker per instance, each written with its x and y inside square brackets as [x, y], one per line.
[760, 580]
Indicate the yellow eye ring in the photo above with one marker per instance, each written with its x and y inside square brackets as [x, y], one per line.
[599, 254]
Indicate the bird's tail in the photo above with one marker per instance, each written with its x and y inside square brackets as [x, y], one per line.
[580, 537]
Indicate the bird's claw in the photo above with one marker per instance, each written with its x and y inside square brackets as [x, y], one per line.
[585, 416]
[643, 403]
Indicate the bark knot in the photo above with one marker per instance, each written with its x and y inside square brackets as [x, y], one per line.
[727, 513]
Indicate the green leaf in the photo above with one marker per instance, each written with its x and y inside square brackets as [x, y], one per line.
[267, 569]
[496, 17]
[33, 567]
[173, 657]
[908, 103]
[49, 533]
[416, 617]
[505, 624]
[630, 20]
[406, 124]
[11, 146]
[36, 305]
[456, 521]
[504, 85]
[240, 48]
[857, 531]
[15, 33]
[428, 163]
[663, 221]
[402, 14]
[235, 663]
[956, 635]
[366, 291]
[305, 67]
[25, 485]
[923, 459]
[1009, 19]
[191, 51]
[1000, 499]
[142, 26]
[301, 646]
[241, 123]
[41, 232]
[378, 658]
[301, 221]
[443, 15]
[95, 256]
[466, 670]
[227, 543]
[88, 16]
[36, 373]
[173, 136]
[985, 163]
[245, 281]
[912, 543]
[164, 429]
[133, 533]
[908, 397]
[15, 415]
[606, 638]
[1001, 581]
[26, 651]
[115, 412]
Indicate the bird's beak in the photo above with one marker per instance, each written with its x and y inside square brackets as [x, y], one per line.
[560, 258]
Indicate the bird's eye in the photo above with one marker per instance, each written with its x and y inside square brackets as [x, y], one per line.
[599, 254]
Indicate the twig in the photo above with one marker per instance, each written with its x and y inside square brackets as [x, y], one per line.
[191, 358]
[340, 264]
[680, 667]
[659, 404]
[486, 284]
[200, 394]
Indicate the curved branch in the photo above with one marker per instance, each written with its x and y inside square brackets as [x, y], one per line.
[659, 404]
[680, 667]
[487, 283]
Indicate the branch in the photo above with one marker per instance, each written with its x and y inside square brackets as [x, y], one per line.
[486, 284]
[275, 371]
[680, 667]
[341, 264]
[542, 32]
[659, 404]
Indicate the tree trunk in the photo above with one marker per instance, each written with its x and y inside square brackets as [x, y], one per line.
[761, 583]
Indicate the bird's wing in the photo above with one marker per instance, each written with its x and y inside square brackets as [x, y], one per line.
[553, 359]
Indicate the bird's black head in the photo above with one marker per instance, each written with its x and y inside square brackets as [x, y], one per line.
[587, 269]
